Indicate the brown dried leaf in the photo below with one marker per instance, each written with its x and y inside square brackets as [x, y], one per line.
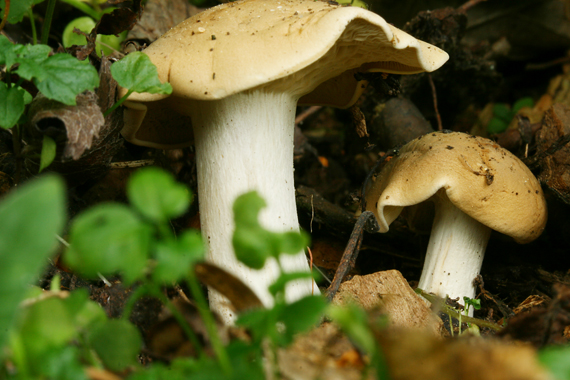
[119, 20]
[159, 16]
[82, 122]
[238, 293]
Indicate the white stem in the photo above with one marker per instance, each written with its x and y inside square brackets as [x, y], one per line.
[245, 142]
[455, 252]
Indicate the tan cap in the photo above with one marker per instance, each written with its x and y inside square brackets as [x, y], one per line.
[308, 48]
[483, 180]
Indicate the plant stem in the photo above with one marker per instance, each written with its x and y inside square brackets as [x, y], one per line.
[117, 104]
[47, 21]
[17, 147]
[181, 321]
[208, 319]
[6, 13]
[84, 8]
[33, 26]
[453, 313]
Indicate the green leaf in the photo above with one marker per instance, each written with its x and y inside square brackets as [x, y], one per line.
[284, 278]
[293, 242]
[522, 102]
[48, 152]
[117, 343]
[18, 8]
[84, 311]
[253, 246]
[7, 53]
[252, 243]
[44, 327]
[36, 213]
[64, 364]
[246, 209]
[65, 77]
[31, 58]
[137, 73]
[12, 105]
[156, 194]
[262, 323]
[496, 126]
[106, 239]
[557, 360]
[302, 315]
[503, 112]
[175, 258]
[476, 303]
[69, 37]
[354, 321]
[282, 322]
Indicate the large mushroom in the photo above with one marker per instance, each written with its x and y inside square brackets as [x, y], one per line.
[476, 186]
[238, 71]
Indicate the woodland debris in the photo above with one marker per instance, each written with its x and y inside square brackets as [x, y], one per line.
[397, 122]
[410, 354]
[159, 16]
[554, 151]
[542, 325]
[390, 292]
[77, 125]
[86, 141]
[413, 355]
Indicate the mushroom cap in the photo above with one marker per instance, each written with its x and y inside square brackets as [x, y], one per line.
[311, 49]
[483, 180]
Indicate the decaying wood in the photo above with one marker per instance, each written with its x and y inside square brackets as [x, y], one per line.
[397, 122]
[313, 206]
[553, 151]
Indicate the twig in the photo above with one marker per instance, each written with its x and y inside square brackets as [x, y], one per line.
[452, 312]
[393, 152]
[350, 254]
[305, 114]
[434, 96]
[131, 164]
[546, 65]
[311, 269]
[469, 4]
[5, 18]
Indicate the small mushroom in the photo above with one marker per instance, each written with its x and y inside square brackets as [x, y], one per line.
[476, 186]
[238, 94]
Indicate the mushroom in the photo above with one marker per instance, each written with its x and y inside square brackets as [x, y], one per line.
[238, 71]
[476, 186]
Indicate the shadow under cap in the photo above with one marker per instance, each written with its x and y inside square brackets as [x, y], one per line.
[311, 49]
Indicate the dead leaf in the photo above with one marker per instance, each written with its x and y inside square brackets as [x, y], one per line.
[159, 17]
[238, 293]
[80, 124]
